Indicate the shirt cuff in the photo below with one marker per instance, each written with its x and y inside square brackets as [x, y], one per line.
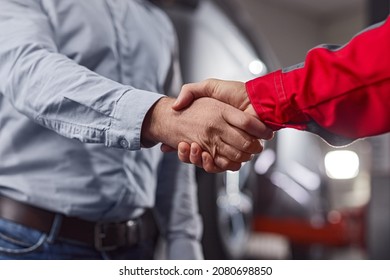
[271, 102]
[130, 110]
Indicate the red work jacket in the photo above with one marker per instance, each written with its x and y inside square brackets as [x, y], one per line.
[342, 91]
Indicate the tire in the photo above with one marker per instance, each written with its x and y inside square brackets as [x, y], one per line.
[226, 221]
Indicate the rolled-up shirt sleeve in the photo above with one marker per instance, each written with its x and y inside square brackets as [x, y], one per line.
[58, 93]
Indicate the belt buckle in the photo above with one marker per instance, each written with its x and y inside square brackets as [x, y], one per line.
[110, 236]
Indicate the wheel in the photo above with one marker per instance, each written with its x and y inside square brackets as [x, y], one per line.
[226, 207]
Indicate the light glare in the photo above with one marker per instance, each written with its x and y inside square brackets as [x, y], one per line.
[342, 164]
[256, 67]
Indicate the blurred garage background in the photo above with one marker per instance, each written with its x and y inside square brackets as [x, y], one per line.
[300, 198]
[292, 28]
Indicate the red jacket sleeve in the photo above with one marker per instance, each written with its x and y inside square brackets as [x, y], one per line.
[344, 90]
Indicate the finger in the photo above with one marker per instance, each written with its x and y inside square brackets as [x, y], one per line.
[223, 163]
[247, 123]
[166, 148]
[242, 145]
[208, 163]
[267, 132]
[263, 131]
[192, 91]
[196, 155]
[237, 155]
[183, 152]
[219, 164]
[188, 93]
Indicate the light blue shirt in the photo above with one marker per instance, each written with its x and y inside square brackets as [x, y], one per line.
[76, 80]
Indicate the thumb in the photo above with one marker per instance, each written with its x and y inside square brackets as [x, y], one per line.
[188, 93]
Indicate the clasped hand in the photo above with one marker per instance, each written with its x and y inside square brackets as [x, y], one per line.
[228, 135]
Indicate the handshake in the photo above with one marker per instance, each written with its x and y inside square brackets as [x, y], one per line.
[212, 125]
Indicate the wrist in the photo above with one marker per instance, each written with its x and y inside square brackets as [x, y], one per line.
[153, 127]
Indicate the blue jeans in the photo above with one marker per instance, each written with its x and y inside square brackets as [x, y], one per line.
[18, 242]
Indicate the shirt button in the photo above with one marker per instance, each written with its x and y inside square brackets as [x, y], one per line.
[124, 143]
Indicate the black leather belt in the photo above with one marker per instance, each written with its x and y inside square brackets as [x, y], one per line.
[102, 236]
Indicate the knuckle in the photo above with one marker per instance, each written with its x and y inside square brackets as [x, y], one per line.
[247, 145]
[239, 156]
[184, 87]
[210, 84]
[210, 81]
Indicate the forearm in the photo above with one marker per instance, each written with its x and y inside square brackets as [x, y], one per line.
[77, 103]
[60, 94]
[343, 90]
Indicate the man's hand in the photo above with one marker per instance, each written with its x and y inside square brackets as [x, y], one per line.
[230, 92]
[227, 134]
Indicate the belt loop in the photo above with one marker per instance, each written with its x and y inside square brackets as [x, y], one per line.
[55, 228]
